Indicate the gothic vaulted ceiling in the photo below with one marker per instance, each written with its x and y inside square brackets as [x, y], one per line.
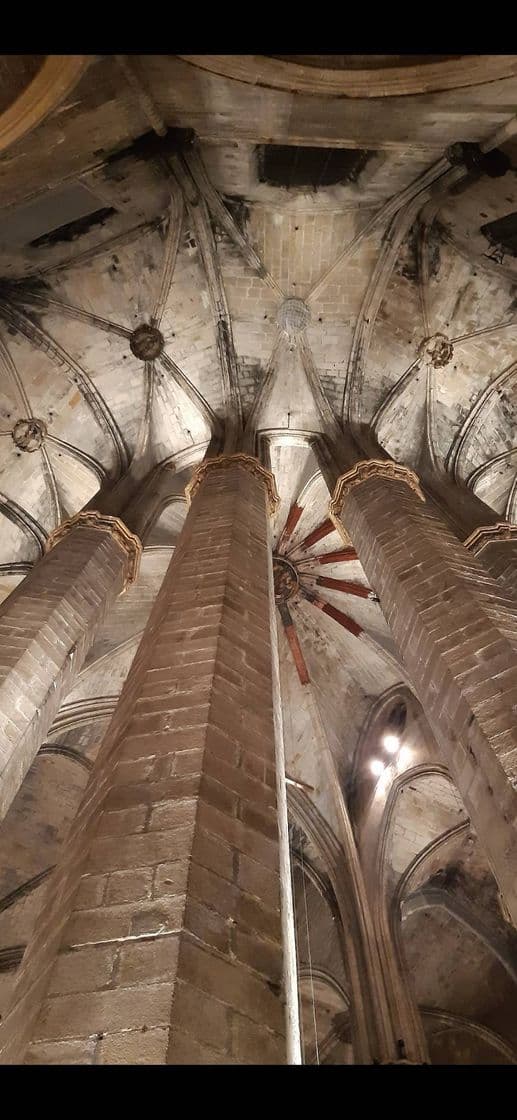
[357, 275]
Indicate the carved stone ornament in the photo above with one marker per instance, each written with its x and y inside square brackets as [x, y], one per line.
[293, 317]
[113, 525]
[29, 434]
[438, 350]
[489, 534]
[220, 462]
[286, 579]
[372, 468]
[146, 342]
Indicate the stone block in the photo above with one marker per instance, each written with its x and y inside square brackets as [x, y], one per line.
[203, 1018]
[140, 962]
[100, 1012]
[256, 1045]
[82, 970]
[129, 886]
[136, 1048]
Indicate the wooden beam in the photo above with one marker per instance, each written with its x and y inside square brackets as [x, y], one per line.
[346, 586]
[317, 534]
[333, 612]
[294, 643]
[293, 518]
[343, 555]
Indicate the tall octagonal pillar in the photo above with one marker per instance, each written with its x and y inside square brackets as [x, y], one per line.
[456, 631]
[47, 626]
[161, 942]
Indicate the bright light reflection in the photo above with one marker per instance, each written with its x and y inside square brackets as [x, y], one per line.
[376, 767]
[404, 757]
[391, 743]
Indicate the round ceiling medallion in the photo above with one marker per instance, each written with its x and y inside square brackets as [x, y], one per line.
[438, 350]
[146, 342]
[293, 317]
[29, 434]
[285, 578]
[376, 75]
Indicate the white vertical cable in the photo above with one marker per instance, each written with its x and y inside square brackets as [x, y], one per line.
[293, 885]
[297, 948]
[292, 1011]
[310, 960]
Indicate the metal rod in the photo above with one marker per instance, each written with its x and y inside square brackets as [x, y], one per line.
[292, 1007]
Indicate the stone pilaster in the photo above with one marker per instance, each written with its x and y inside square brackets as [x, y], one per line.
[47, 626]
[459, 507]
[165, 909]
[456, 631]
[478, 526]
[496, 546]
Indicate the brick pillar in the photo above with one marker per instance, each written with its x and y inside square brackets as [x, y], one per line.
[456, 632]
[47, 626]
[169, 951]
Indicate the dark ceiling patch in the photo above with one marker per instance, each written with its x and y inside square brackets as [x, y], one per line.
[74, 229]
[23, 225]
[397, 719]
[239, 209]
[149, 146]
[290, 166]
[10, 957]
[494, 163]
[502, 233]
[408, 260]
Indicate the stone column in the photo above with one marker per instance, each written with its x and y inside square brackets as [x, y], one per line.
[472, 521]
[139, 502]
[165, 909]
[47, 626]
[456, 632]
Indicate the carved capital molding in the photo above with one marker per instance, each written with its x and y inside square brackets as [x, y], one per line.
[489, 534]
[105, 523]
[372, 468]
[220, 462]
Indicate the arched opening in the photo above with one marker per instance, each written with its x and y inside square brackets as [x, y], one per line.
[326, 1022]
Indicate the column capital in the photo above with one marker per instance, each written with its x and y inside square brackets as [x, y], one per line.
[372, 468]
[490, 534]
[127, 540]
[220, 462]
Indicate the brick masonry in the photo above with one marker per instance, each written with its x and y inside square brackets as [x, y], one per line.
[499, 557]
[464, 512]
[164, 912]
[47, 626]
[456, 629]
